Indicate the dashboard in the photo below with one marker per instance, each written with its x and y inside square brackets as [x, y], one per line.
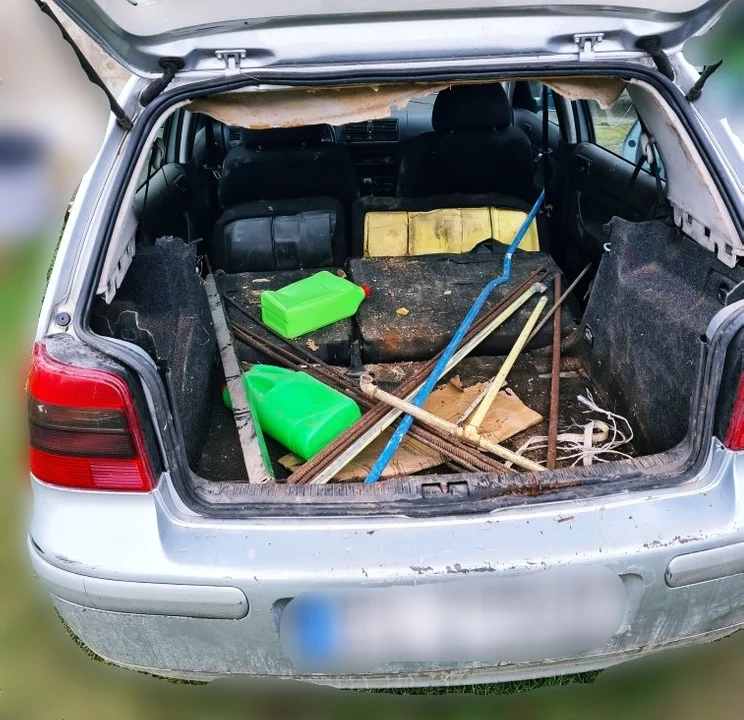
[374, 146]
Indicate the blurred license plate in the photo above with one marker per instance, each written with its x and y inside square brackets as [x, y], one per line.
[550, 614]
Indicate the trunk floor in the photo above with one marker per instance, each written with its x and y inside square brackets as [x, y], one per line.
[221, 459]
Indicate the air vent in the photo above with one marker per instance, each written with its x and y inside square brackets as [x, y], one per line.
[371, 131]
[233, 137]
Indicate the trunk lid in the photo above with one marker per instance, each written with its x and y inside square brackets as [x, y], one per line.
[212, 36]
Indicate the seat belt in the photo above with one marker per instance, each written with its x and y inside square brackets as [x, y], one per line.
[649, 153]
[545, 154]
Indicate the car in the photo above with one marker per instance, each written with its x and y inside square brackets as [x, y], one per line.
[403, 150]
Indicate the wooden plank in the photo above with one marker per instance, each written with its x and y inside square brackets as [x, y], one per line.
[252, 446]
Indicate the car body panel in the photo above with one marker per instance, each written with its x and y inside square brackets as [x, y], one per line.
[138, 33]
[154, 538]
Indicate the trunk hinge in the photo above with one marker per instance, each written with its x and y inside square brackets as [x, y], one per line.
[587, 43]
[121, 117]
[233, 59]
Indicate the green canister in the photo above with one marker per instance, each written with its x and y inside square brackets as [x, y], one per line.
[309, 304]
[300, 412]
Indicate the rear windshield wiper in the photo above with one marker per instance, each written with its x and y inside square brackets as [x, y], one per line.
[121, 117]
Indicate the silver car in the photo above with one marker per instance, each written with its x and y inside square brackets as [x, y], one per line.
[257, 143]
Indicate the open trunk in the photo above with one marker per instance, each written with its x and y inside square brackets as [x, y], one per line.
[631, 330]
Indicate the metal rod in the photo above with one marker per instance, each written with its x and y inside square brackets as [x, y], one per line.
[334, 451]
[369, 388]
[556, 378]
[476, 421]
[382, 424]
[257, 465]
[454, 343]
[469, 458]
[559, 302]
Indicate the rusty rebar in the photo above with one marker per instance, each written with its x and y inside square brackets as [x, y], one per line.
[555, 389]
[346, 439]
[470, 459]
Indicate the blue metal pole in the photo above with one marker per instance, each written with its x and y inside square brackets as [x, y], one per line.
[405, 424]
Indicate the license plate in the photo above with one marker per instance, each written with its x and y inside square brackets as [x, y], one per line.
[555, 613]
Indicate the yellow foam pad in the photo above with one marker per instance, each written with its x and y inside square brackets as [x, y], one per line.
[447, 230]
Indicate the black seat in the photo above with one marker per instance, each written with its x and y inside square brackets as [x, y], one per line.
[474, 148]
[286, 197]
[287, 163]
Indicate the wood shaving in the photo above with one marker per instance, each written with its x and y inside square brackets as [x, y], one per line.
[402, 311]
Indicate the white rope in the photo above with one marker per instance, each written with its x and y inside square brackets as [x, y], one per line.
[596, 439]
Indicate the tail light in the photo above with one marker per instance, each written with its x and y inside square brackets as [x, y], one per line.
[84, 428]
[735, 433]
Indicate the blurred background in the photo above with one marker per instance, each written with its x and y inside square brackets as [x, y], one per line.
[52, 121]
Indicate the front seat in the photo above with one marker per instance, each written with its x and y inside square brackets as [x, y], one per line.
[286, 196]
[475, 148]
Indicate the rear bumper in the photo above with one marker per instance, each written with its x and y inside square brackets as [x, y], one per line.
[147, 584]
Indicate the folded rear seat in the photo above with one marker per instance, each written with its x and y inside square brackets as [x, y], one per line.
[330, 344]
[417, 303]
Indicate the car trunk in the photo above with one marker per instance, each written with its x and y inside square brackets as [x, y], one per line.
[631, 344]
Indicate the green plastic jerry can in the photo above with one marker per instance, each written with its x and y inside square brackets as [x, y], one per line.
[309, 304]
[300, 412]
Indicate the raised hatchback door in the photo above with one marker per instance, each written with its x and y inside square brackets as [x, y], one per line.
[227, 34]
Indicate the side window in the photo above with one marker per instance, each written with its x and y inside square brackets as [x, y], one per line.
[536, 90]
[619, 130]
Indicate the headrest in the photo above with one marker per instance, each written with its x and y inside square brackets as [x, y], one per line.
[472, 107]
[522, 97]
[283, 138]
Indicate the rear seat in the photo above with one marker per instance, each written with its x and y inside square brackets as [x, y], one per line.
[331, 344]
[417, 303]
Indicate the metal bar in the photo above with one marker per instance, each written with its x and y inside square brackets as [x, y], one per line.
[259, 471]
[468, 458]
[303, 351]
[454, 343]
[474, 424]
[333, 452]
[556, 378]
[557, 304]
[369, 388]
[381, 425]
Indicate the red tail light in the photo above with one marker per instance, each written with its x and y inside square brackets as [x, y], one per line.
[84, 428]
[735, 434]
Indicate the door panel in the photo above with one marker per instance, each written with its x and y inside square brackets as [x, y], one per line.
[598, 189]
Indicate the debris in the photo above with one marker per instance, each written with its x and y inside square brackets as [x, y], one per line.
[595, 439]
[359, 438]
[507, 417]
[452, 347]
[456, 383]
[402, 311]
[475, 422]
[341, 273]
[448, 292]
[428, 418]
[312, 344]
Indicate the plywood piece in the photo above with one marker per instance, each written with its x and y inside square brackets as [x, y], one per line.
[507, 417]
[505, 225]
[386, 234]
